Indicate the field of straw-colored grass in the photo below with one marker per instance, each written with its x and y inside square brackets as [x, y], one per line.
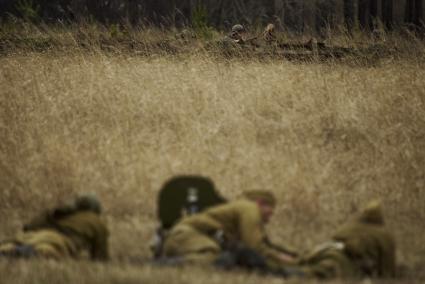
[325, 137]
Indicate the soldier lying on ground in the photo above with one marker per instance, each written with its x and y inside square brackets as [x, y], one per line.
[64, 232]
[361, 248]
[201, 238]
[232, 236]
[237, 34]
[268, 36]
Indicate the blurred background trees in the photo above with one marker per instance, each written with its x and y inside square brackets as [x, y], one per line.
[294, 15]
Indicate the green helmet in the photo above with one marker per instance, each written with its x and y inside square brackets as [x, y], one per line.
[238, 28]
[88, 202]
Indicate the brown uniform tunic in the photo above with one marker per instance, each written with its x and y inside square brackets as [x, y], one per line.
[66, 237]
[363, 247]
[88, 232]
[195, 237]
[235, 37]
[268, 34]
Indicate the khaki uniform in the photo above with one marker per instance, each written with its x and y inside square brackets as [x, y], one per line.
[196, 238]
[269, 34]
[65, 238]
[235, 37]
[236, 34]
[44, 243]
[361, 248]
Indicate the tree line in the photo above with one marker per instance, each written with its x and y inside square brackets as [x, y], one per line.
[295, 15]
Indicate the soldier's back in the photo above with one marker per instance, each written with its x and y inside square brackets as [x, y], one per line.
[85, 222]
[363, 247]
[88, 231]
[371, 243]
[225, 216]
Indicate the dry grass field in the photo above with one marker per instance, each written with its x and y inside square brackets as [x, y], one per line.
[326, 137]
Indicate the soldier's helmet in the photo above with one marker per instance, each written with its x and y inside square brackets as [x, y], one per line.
[372, 213]
[238, 28]
[88, 202]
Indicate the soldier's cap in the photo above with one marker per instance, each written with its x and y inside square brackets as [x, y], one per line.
[260, 194]
[238, 28]
[88, 202]
[372, 213]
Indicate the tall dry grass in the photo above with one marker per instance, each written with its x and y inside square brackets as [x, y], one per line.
[325, 137]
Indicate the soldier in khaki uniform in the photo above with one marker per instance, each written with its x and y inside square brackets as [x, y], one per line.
[200, 238]
[237, 34]
[361, 248]
[64, 232]
[269, 35]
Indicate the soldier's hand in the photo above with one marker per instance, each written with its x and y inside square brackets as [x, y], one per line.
[287, 259]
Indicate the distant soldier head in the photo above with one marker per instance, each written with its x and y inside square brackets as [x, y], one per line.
[238, 28]
[88, 202]
[270, 28]
[237, 34]
[268, 34]
[265, 200]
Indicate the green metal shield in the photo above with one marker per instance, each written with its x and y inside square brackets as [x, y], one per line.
[175, 197]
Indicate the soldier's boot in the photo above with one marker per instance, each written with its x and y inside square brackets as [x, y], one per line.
[11, 249]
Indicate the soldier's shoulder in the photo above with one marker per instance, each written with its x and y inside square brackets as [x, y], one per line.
[357, 229]
[244, 204]
[235, 205]
[86, 217]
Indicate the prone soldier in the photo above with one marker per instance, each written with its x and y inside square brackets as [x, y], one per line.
[64, 232]
[237, 34]
[201, 238]
[361, 248]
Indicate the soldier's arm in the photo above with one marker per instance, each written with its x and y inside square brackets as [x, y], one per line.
[280, 248]
[253, 235]
[387, 265]
[202, 223]
[48, 218]
[41, 221]
[100, 248]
